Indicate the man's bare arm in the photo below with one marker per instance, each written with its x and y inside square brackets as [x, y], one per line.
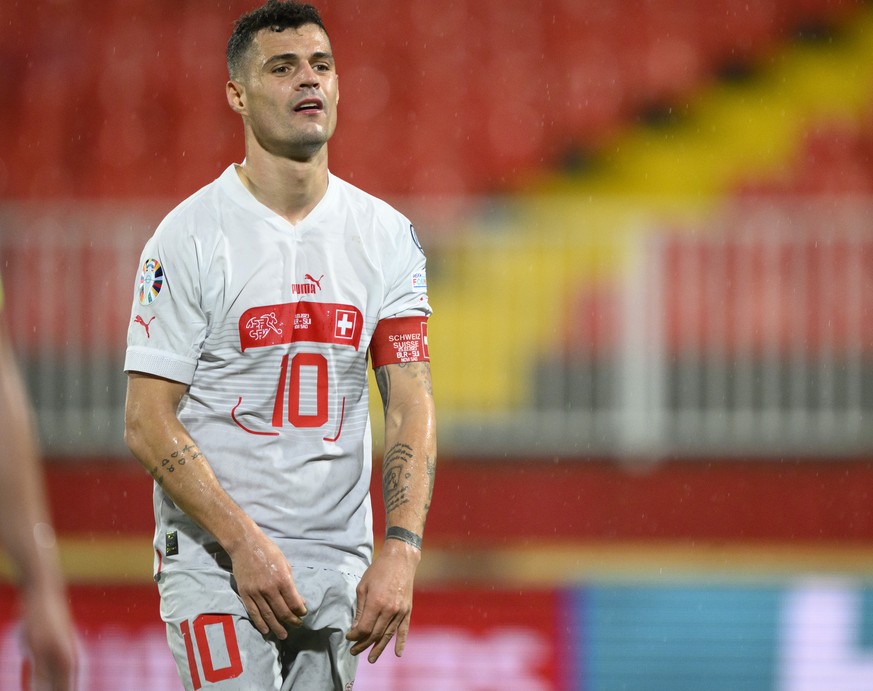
[163, 446]
[27, 535]
[409, 467]
[408, 472]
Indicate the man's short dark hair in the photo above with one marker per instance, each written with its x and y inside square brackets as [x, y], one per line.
[275, 15]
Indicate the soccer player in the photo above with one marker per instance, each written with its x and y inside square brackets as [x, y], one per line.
[258, 300]
[27, 535]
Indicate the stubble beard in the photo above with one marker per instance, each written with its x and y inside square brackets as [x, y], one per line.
[304, 148]
[297, 146]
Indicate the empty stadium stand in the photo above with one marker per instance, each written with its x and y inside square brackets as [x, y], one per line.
[460, 97]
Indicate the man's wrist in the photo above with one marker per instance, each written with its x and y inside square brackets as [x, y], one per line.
[403, 535]
[239, 533]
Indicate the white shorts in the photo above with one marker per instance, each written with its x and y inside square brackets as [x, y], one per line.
[216, 646]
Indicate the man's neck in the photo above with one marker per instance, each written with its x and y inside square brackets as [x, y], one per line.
[290, 188]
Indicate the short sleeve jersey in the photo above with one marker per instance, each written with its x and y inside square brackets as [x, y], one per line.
[269, 325]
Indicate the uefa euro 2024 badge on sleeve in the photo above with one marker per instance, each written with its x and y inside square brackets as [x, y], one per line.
[151, 280]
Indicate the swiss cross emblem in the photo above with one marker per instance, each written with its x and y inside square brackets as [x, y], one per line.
[345, 324]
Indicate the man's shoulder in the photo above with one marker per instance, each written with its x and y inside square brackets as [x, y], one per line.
[192, 212]
[365, 202]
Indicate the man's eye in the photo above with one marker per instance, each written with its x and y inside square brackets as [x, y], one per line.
[281, 69]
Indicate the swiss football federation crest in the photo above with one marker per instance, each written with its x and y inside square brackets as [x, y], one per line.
[261, 327]
[151, 280]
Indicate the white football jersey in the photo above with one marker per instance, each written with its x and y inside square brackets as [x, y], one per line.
[269, 324]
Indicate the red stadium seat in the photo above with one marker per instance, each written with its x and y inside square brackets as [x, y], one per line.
[127, 98]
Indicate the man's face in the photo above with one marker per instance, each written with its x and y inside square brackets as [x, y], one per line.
[289, 91]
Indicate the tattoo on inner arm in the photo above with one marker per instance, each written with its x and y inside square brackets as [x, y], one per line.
[175, 461]
[395, 476]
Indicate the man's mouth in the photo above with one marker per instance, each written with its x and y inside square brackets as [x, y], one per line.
[309, 105]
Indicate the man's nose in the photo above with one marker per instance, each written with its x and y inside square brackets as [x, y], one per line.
[307, 76]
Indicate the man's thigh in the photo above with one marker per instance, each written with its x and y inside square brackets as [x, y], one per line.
[317, 655]
[211, 636]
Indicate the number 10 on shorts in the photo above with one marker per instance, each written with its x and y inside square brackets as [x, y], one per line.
[214, 643]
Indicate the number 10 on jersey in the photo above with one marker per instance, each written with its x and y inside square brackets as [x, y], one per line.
[303, 409]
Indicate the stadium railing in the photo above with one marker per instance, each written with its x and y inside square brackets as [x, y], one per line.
[590, 331]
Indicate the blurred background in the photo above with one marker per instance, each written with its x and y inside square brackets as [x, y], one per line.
[648, 225]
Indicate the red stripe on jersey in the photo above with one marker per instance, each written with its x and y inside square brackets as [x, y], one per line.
[401, 339]
[292, 322]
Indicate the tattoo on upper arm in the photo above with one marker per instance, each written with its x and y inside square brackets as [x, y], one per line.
[421, 372]
[418, 371]
[175, 461]
[395, 476]
[424, 375]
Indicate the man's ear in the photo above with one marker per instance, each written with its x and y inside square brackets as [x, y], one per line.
[236, 96]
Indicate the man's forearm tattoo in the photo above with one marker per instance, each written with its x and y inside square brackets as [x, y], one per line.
[395, 476]
[174, 462]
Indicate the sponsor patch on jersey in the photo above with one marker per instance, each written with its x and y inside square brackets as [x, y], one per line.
[151, 280]
[172, 543]
[419, 280]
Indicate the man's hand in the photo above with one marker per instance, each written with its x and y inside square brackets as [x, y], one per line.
[264, 581]
[385, 600]
[153, 432]
[50, 638]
